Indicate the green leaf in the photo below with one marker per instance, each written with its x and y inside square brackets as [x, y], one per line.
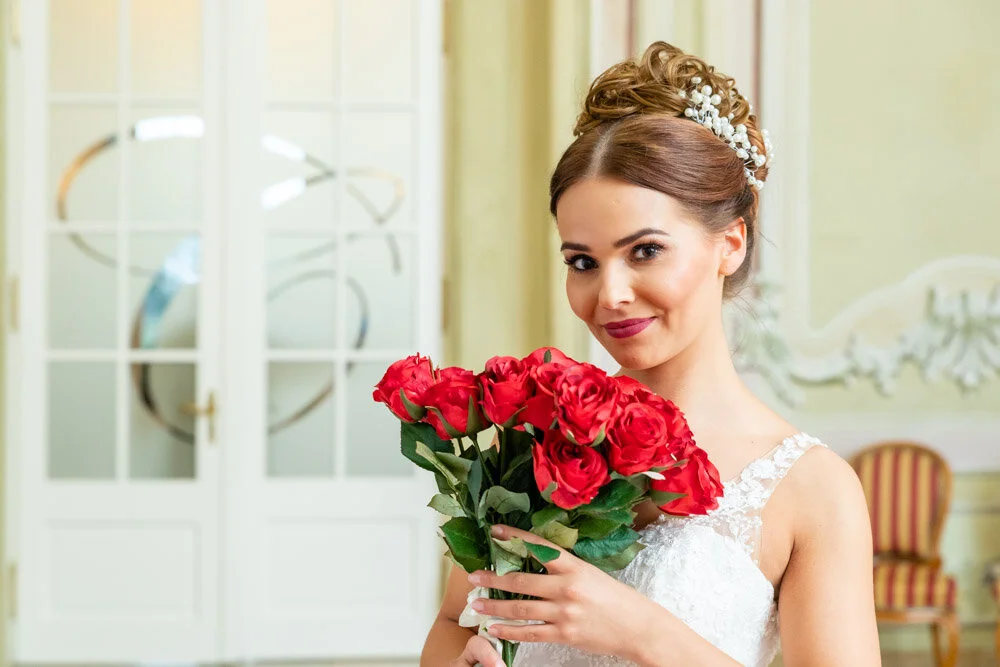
[558, 533]
[466, 542]
[623, 516]
[442, 484]
[601, 525]
[458, 466]
[505, 562]
[446, 505]
[514, 546]
[474, 421]
[541, 553]
[550, 513]
[618, 494]
[620, 560]
[661, 498]
[411, 434]
[549, 490]
[520, 441]
[502, 501]
[492, 455]
[432, 458]
[475, 481]
[616, 542]
[515, 466]
[415, 411]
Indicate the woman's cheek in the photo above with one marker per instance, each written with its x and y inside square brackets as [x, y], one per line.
[677, 282]
[580, 301]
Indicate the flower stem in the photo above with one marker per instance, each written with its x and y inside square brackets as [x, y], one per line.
[482, 461]
[509, 650]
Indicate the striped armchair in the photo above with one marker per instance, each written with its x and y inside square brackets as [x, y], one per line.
[908, 487]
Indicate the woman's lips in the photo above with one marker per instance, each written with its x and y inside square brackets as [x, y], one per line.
[627, 328]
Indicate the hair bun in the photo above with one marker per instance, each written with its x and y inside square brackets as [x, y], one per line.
[654, 85]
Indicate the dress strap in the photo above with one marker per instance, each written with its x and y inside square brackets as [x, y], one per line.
[759, 479]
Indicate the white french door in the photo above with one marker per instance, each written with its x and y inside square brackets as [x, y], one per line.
[223, 225]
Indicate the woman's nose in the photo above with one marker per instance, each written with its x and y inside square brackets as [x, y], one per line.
[615, 289]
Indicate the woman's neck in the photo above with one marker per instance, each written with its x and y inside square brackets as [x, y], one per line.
[702, 381]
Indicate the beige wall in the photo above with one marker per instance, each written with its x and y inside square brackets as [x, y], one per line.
[516, 73]
[916, 82]
[902, 169]
[4, 593]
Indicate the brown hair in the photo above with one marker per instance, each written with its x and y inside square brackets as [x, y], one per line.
[633, 129]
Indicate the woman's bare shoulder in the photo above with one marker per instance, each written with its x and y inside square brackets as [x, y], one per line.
[827, 494]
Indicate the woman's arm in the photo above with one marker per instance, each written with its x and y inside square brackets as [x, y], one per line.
[671, 642]
[826, 606]
[447, 640]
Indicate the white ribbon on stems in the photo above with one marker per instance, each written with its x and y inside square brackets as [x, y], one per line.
[471, 618]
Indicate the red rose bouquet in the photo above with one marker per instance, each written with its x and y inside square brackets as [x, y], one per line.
[575, 451]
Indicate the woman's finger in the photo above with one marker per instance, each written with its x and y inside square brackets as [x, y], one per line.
[536, 585]
[479, 651]
[519, 610]
[526, 633]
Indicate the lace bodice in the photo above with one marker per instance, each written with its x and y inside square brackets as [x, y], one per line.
[704, 569]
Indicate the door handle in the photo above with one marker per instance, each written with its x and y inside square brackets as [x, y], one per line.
[208, 411]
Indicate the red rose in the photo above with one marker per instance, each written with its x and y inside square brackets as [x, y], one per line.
[697, 478]
[537, 358]
[586, 399]
[540, 408]
[578, 471]
[630, 386]
[412, 375]
[506, 387]
[447, 402]
[639, 438]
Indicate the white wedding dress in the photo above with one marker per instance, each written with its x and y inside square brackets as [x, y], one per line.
[704, 570]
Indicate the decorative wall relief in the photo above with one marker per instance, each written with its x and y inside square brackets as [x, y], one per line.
[955, 339]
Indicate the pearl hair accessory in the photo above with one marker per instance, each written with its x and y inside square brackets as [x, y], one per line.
[703, 109]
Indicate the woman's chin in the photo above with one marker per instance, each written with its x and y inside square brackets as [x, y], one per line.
[637, 357]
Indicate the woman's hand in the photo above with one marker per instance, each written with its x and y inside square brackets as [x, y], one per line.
[478, 651]
[580, 605]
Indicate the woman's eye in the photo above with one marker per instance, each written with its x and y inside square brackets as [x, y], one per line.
[647, 251]
[580, 263]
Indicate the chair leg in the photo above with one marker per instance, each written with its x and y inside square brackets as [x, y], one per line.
[998, 642]
[950, 623]
[936, 644]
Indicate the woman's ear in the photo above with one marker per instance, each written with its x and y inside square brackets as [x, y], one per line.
[734, 247]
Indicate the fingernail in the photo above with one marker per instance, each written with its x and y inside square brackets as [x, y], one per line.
[497, 531]
[474, 578]
[478, 605]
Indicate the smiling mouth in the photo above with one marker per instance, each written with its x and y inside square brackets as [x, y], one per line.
[627, 328]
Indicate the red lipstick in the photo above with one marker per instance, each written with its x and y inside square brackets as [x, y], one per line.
[627, 328]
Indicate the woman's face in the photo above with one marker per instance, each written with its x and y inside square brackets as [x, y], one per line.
[645, 277]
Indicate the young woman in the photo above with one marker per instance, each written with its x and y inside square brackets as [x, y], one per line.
[656, 204]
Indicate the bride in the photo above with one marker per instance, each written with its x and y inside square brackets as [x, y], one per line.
[656, 205]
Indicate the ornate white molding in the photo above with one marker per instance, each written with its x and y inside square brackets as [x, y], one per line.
[957, 339]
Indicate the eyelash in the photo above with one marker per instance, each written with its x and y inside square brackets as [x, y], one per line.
[655, 248]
